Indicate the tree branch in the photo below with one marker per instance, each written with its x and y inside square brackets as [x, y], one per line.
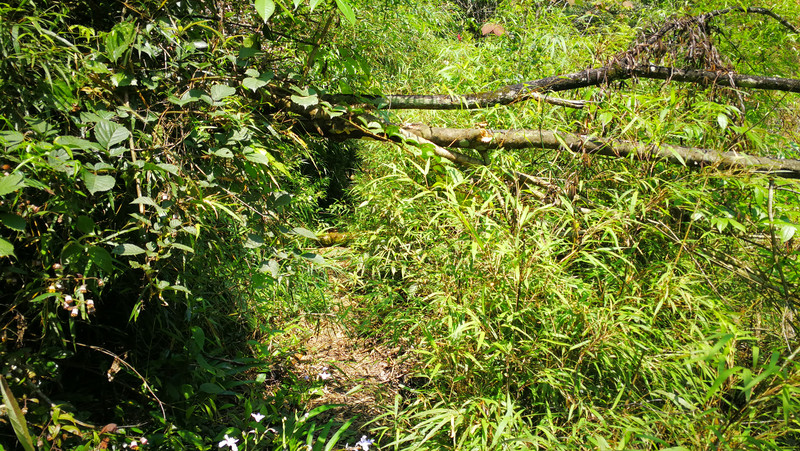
[482, 140]
[590, 77]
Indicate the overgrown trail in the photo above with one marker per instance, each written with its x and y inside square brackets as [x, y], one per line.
[359, 374]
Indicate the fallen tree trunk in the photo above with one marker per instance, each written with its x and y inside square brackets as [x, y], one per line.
[480, 139]
[483, 139]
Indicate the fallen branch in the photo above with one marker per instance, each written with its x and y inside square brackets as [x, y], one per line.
[630, 64]
[482, 140]
[590, 77]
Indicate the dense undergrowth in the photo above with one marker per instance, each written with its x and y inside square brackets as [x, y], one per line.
[159, 272]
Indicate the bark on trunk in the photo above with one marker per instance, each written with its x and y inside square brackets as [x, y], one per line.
[482, 139]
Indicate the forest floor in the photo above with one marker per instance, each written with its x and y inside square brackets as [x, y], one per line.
[359, 374]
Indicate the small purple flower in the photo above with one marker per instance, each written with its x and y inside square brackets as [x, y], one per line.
[364, 443]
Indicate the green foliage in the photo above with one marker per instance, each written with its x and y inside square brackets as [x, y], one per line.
[16, 416]
[158, 209]
[537, 322]
[143, 193]
[636, 315]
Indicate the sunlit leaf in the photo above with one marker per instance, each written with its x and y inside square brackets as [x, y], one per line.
[722, 120]
[257, 157]
[6, 249]
[346, 10]
[74, 142]
[305, 101]
[11, 183]
[254, 82]
[12, 221]
[15, 415]
[786, 232]
[219, 92]
[97, 183]
[253, 241]
[109, 133]
[119, 40]
[315, 258]
[265, 9]
[127, 249]
[304, 233]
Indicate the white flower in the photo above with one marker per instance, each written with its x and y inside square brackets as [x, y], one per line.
[230, 442]
[325, 375]
[364, 443]
[257, 416]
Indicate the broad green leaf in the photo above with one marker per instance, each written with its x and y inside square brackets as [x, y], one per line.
[305, 101]
[605, 117]
[316, 258]
[273, 267]
[199, 337]
[347, 10]
[97, 183]
[71, 252]
[219, 92]
[224, 153]
[182, 247]
[74, 142]
[127, 249]
[253, 83]
[12, 221]
[722, 120]
[85, 224]
[171, 168]
[144, 200]
[265, 9]
[11, 138]
[119, 40]
[313, 4]
[253, 241]
[15, 415]
[101, 258]
[122, 79]
[786, 232]
[41, 127]
[6, 249]
[109, 133]
[282, 200]
[304, 233]
[11, 183]
[257, 157]
[192, 95]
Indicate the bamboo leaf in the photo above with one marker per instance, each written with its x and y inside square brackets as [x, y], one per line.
[16, 416]
[347, 10]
